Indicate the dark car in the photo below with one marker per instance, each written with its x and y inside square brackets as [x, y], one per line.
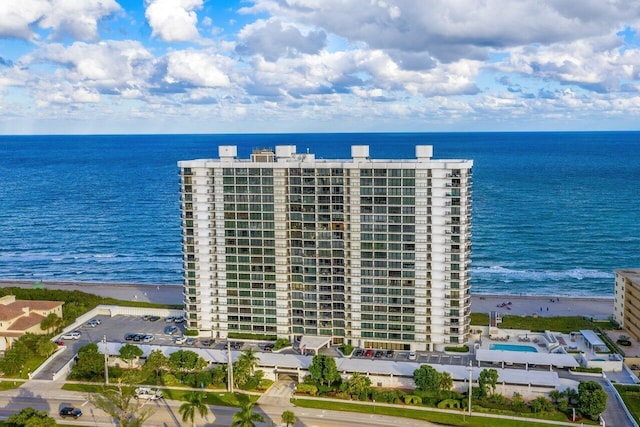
[359, 352]
[70, 411]
[389, 353]
[379, 354]
[129, 337]
[154, 318]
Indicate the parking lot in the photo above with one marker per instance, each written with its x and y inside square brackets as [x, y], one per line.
[404, 356]
[151, 330]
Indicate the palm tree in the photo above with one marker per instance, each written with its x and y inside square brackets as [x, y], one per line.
[245, 417]
[288, 417]
[193, 405]
[249, 359]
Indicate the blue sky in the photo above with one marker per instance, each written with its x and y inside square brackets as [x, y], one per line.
[223, 66]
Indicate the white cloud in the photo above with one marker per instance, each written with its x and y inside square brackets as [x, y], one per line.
[450, 30]
[77, 19]
[272, 40]
[109, 67]
[17, 16]
[599, 64]
[173, 20]
[197, 68]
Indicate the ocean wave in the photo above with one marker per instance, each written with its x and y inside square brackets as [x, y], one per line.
[510, 274]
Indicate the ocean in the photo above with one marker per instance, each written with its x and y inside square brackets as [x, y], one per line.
[553, 213]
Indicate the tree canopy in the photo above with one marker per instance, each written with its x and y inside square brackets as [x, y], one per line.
[186, 361]
[487, 381]
[323, 369]
[121, 405]
[30, 417]
[129, 352]
[592, 399]
[427, 378]
[194, 405]
[245, 417]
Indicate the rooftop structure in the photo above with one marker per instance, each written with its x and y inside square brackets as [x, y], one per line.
[17, 317]
[374, 253]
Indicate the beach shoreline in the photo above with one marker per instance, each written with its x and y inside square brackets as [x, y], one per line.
[596, 307]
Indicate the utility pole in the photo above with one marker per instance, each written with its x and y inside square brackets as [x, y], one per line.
[229, 368]
[470, 368]
[106, 360]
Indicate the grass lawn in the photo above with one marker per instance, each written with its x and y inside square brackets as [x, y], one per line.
[563, 324]
[631, 399]
[10, 385]
[220, 398]
[435, 417]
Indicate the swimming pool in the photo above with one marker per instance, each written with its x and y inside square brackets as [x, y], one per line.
[514, 347]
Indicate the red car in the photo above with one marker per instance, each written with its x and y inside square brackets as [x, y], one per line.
[369, 353]
[59, 343]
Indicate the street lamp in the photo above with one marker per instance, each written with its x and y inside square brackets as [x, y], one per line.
[470, 368]
[106, 360]
[229, 368]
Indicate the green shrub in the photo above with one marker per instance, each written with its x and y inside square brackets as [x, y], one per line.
[449, 404]
[250, 336]
[281, 343]
[169, 379]
[412, 399]
[595, 370]
[191, 332]
[346, 349]
[460, 349]
[309, 389]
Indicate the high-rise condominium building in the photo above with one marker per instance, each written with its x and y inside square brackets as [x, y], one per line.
[626, 311]
[373, 253]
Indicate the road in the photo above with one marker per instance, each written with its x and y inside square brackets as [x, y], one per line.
[47, 395]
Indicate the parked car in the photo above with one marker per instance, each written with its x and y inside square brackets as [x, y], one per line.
[170, 330]
[129, 336]
[379, 354]
[59, 343]
[190, 341]
[206, 343]
[169, 319]
[180, 339]
[138, 337]
[146, 317]
[180, 319]
[148, 338]
[92, 324]
[624, 340]
[154, 318]
[368, 353]
[413, 355]
[70, 411]
[268, 347]
[359, 352]
[74, 335]
[148, 393]
[389, 353]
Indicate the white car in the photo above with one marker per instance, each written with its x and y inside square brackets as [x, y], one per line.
[179, 319]
[413, 356]
[148, 338]
[75, 335]
[148, 393]
[180, 340]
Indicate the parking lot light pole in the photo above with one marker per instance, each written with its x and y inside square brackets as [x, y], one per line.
[106, 360]
[229, 368]
[470, 368]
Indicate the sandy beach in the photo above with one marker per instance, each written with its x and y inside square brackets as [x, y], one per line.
[521, 305]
